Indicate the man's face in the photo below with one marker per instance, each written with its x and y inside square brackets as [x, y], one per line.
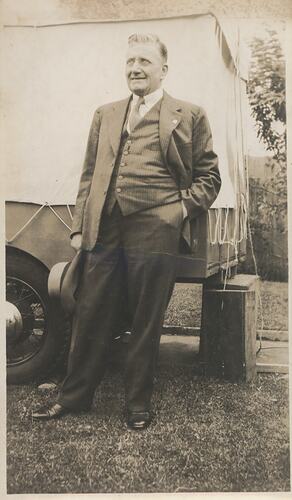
[145, 68]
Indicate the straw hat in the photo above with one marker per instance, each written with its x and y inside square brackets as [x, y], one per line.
[63, 282]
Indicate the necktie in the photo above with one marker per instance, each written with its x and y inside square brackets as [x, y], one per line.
[135, 116]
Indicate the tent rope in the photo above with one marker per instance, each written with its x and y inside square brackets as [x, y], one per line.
[213, 240]
[70, 213]
[31, 219]
[58, 216]
[25, 225]
[256, 271]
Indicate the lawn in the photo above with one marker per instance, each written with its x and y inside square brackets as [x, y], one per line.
[208, 435]
[185, 306]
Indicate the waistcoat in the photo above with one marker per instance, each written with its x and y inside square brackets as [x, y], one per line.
[140, 179]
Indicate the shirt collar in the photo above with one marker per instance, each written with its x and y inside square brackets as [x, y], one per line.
[150, 99]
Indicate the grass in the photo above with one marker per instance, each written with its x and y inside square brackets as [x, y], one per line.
[185, 306]
[207, 436]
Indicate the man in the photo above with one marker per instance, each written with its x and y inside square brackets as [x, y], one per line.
[149, 169]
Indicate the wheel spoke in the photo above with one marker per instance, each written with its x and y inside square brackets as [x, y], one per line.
[25, 344]
[23, 298]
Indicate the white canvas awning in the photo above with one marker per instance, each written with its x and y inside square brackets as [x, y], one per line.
[56, 76]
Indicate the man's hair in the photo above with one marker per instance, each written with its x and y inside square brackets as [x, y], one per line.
[149, 38]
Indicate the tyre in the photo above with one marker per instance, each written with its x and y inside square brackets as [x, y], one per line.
[36, 329]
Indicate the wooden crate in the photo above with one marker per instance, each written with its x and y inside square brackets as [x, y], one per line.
[228, 331]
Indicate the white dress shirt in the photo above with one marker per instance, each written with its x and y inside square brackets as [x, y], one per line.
[150, 101]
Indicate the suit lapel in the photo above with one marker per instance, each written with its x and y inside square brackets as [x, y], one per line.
[115, 121]
[170, 116]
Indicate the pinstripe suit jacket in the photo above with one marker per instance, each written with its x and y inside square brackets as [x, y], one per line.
[186, 145]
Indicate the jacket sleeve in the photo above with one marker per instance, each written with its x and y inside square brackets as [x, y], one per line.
[87, 174]
[206, 181]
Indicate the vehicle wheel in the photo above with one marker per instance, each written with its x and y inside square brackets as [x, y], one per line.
[37, 332]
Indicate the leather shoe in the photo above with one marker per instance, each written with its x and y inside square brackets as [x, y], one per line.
[53, 412]
[138, 421]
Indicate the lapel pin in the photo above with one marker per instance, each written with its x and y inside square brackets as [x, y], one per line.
[174, 121]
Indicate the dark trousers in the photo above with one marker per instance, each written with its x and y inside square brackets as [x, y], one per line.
[135, 255]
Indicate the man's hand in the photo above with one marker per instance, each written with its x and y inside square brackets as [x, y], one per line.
[76, 241]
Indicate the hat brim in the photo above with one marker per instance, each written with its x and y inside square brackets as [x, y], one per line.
[63, 282]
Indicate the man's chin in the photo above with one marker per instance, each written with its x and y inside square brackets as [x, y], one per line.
[137, 89]
[140, 93]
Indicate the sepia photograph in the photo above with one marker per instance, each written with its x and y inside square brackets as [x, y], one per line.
[145, 164]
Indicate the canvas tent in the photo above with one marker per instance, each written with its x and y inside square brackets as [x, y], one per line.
[57, 72]
[55, 77]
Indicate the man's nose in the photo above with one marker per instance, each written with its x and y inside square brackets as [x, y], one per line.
[136, 68]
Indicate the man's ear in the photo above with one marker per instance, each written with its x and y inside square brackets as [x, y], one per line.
[164, 71]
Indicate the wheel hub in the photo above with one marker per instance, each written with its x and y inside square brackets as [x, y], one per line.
[14, 324]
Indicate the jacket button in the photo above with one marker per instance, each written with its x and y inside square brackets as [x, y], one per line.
[120, 177]
[119, 190]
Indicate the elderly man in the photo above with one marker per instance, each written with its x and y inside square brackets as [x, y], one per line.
[149, 169]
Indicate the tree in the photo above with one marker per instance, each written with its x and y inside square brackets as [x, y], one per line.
[266, 90]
